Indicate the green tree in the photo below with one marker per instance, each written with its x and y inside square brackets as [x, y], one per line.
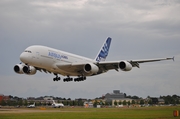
[107, 103]
[20, 102]
[110, 103]
[101, 102]
[95, 103]
[129, 103]
[115, 103]
[65, 102]
[135, 97]
[9, 103]
[120, 103]
[80, 103]
[141, 102]
[125, 95]
[177, 101]
[25, 102]
[3, 103]
[71, 103]
[150, 102]
[124, 102]
[75, 103]
[133, 102]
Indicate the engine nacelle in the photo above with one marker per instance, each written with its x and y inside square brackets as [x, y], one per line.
[91, 68]
[30, 70]
[125, 66]
[18, 68]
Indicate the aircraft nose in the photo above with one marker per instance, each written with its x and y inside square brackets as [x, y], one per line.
[23, 57]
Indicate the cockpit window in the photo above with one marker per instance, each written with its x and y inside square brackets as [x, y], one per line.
[28, 51]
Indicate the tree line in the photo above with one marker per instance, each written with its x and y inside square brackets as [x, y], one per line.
[14, 101]
[24, 102]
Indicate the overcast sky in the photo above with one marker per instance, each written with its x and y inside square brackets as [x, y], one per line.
[139, 30]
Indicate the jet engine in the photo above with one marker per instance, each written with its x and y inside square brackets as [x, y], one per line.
[18, 68]
[125, 66]
[30, 70]
[91, 68]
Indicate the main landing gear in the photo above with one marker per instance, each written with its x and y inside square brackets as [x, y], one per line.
[67, 79]
[75, 79]
[56, 78]
[82, 78]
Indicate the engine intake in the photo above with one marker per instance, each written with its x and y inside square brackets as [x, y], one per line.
[30, 70]
[22, 68]
[18, 68]
[91, 68]
[125, 66]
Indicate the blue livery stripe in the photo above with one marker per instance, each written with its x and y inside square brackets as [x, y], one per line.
[104, 50]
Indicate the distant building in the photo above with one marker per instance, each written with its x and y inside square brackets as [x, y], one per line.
[157, 100]
[31, 98]
[88, 104]
[116, 95]
[81, 99]
[3, 97]
[161, 101]
[48, 98]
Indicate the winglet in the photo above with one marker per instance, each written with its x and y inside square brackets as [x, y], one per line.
[170, 58]
[103, 53]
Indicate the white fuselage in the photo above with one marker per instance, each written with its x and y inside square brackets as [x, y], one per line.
[47, 58]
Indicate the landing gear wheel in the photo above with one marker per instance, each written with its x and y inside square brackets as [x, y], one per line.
[67, 79]
[80, 79]
[59, 78]
[56, 78]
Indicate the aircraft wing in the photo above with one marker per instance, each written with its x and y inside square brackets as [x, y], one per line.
[108, 65]
[71, 67]
[152, 60]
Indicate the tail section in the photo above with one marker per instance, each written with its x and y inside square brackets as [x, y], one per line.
[103, 53]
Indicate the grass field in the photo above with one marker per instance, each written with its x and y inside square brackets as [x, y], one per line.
[90, 113]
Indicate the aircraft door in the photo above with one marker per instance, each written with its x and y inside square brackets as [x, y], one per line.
[36, 58]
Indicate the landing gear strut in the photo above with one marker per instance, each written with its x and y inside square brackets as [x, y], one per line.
[56, 78]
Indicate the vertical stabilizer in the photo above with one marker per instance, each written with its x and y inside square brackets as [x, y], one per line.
[103, 53]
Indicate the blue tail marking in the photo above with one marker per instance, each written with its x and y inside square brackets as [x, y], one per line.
[103, 53]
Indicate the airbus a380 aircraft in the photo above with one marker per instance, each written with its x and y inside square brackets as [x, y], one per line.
[55, 61]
